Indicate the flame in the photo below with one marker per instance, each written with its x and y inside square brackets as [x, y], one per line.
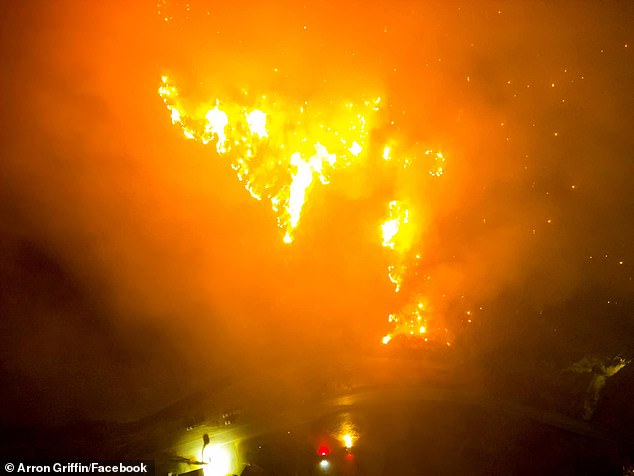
[387, 151]
[279, 150]
[395, 228]
[256, 121]
[399, 232]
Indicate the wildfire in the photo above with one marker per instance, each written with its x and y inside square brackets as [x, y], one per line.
[399, 232]
[394, 229]
[398, 235]
[279, 149]
[412, 320]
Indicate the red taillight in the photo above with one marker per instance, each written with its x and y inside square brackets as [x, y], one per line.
[323, 451]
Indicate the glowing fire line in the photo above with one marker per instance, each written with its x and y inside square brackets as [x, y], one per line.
[280, 150]
[268, 145]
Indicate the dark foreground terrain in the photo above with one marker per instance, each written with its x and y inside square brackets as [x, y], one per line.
[404, 417]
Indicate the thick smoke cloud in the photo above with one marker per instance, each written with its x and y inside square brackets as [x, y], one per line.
[134, 265]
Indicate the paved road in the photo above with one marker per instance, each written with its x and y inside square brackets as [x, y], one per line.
[189, 444]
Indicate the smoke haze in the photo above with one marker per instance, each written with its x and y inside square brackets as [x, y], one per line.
[133, 263]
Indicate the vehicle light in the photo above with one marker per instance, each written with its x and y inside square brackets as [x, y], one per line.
[323, 451]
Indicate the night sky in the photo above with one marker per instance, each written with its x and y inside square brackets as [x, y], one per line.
[134, 265]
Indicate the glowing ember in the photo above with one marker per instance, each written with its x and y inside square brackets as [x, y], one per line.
[437, 170]
[412, 320]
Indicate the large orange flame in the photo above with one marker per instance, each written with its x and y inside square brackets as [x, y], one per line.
[279, 150]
